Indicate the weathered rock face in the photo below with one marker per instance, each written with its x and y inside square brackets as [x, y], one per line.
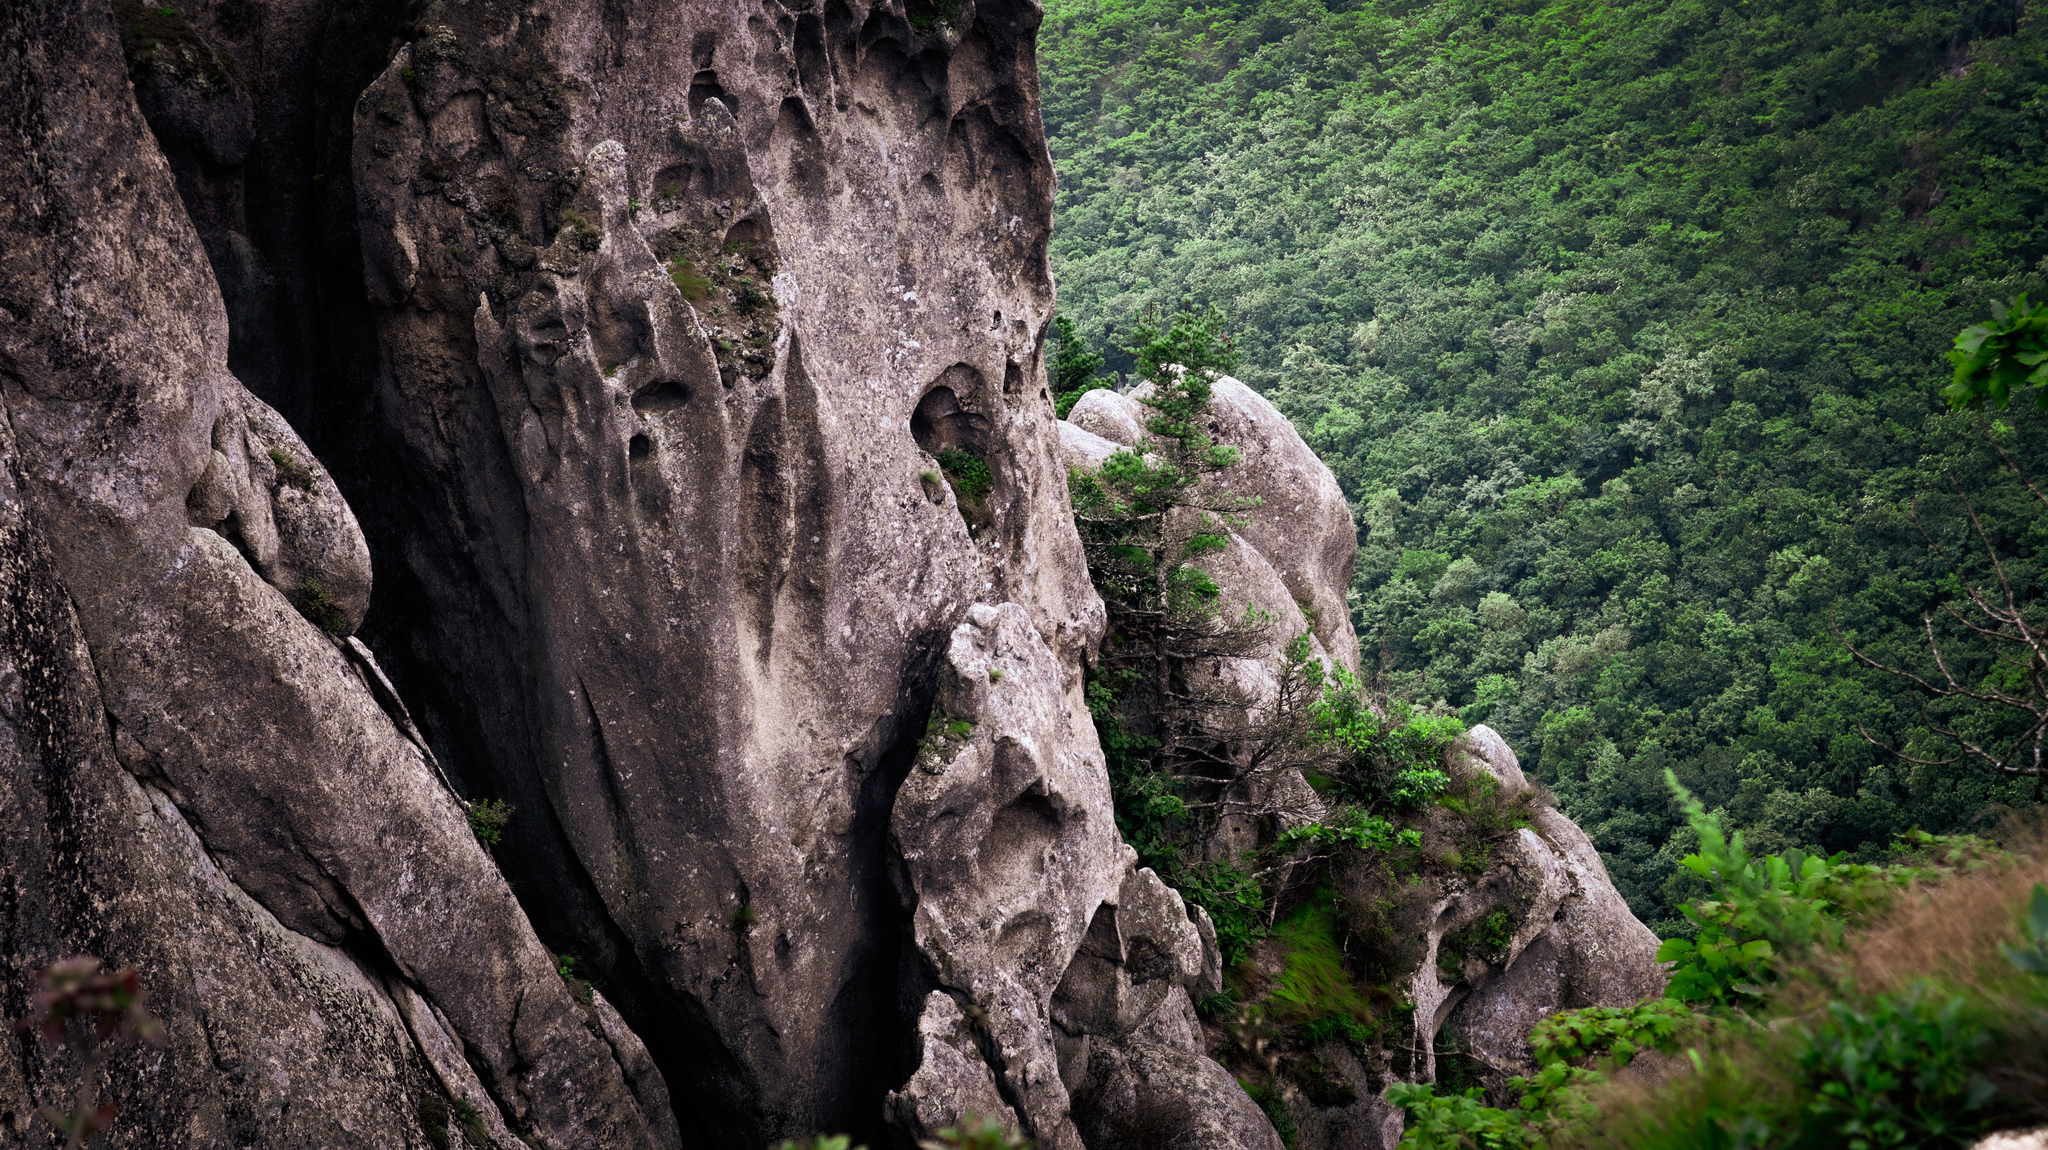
[277, 856]
[634, 336]
[680, 304]
[1576, 942]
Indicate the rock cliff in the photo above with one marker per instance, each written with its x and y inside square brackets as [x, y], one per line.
[1524, 923]
[635, 346]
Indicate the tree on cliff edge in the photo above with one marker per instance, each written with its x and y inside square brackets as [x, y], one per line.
[1146, 517]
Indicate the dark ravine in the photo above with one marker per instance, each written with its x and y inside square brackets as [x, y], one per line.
[620, 340]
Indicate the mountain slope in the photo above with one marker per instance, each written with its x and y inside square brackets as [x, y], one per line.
[1620, 323]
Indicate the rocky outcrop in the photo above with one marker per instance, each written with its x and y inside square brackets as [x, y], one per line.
[1575, 944]
[1063, 971]
[681, 307]
[1503, 917]
[1540, 929]
[1293, 554]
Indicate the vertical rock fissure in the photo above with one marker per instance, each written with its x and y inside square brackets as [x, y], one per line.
[890, 991]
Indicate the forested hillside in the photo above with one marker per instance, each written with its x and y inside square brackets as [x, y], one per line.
[1622, 325]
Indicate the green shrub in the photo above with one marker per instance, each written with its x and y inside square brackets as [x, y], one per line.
[433, 1112]
[1218, 1006]
[580, 987]
[1268, 1098]
[1485, 938]
[1351, 1030]
[1235, 902]
[1763, 908]
[290, 472]
[587, 235]
[1073, 367]
[318, 606]
[1350, 827]
[1615, 1034]
[1902, 1074]
[487, 820]
[1456, 1121]
[472, 1122]
[970, 477]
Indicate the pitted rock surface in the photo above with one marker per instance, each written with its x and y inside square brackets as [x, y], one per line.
[682, 304]
[1028, 908]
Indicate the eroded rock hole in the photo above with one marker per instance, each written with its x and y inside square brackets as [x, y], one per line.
[639, 447]
[662, 398]
[941, 422]
[1014, 851]
[958, 440]
[705, 86]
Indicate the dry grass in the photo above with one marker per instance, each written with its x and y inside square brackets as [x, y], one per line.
[1945, 936]
[1948, 933]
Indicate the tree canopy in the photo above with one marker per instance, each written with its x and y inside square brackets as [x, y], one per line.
[1623, 326]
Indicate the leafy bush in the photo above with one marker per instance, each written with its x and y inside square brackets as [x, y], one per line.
[1353, 828]
[292, 473]
[1995, 359]
[487, 820]
[1554, 1102]
[1902, 1074]
[1761, 909]
[580, 987]
[316, 603]
[1395, 753]
[969, 475]
[1457, 1120]
[1235, 902]
[1485, 938]
[1615, 1034]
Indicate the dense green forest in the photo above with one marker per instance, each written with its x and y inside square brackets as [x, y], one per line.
[1622, 325]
